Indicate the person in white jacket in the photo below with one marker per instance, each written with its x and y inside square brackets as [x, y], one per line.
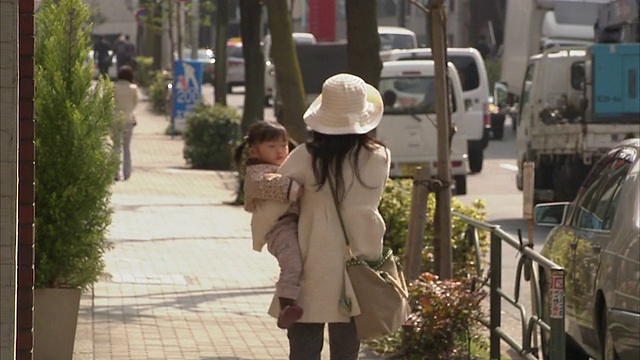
[342, 150]
[125, 94]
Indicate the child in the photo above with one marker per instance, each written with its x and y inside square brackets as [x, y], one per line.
[272, 199]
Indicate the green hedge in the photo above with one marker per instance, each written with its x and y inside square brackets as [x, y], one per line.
[211, 135]
[395, 208]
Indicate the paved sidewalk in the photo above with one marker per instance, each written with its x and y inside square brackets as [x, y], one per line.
[183, 282]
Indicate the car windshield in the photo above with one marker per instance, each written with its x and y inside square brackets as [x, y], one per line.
[408, 95]
[411, 95]
[396, 41]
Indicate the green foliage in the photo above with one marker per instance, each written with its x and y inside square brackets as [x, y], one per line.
[144, 74]
[444, 319]
[157, 91]
[494, 68]
[444, 314]
[395, 207]
[75, 162]
[211, 135]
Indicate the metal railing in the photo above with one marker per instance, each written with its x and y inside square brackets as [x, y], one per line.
[553, 328]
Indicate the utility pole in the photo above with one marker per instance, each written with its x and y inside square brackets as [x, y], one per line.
[195, 28]
[401, 13]
[443, 251]
[437, 19]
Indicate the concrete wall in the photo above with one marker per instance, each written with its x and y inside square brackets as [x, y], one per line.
[115, 17]
[8, 174]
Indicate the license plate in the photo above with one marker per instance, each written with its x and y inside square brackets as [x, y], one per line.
[409, 169]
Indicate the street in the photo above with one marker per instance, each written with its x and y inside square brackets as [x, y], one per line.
[496, 186]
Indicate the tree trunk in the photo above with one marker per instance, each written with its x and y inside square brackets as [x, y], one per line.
[363, 49]
[250, 11]
[220, 84]
[288, 76]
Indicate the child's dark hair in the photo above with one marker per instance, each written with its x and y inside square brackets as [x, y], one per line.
[259, 132]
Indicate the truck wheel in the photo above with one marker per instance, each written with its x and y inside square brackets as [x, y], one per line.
[475, 161]
[461, 184]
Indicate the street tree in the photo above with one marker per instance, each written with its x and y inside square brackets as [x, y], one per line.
[363, 41]
[250, 13]
[220, 71]
[288, 75]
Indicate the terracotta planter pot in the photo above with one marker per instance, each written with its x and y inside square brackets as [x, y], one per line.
[55, 320]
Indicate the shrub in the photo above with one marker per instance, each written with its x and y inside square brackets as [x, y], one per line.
[211, 135]
[144, 73]
[75, 164]
[157, 90]
[494, 67]
[395, 208]
[444, 320]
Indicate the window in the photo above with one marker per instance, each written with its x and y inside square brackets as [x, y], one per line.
[466, 66]
[601, 192]
[577, 75]
[526, 87]
[468, 71]
[411, 95]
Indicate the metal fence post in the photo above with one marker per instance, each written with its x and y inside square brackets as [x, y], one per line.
[556, 314]
[494, 296]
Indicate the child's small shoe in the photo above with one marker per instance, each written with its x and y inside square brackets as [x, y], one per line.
[289, 315]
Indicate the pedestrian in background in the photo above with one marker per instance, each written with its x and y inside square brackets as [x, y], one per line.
[126, 98]
[102, 55]
[125, 51]
[343, 155]
[273, 201]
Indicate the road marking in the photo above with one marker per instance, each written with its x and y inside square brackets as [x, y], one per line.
[509, 167]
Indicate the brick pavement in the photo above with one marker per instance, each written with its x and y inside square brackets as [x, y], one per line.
[183, 282]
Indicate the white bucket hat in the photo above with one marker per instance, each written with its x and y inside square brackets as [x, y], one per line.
[347, 105]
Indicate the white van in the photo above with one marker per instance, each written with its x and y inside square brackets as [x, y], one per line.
[475, 90]
[395, 37]
[269, 68]
[408, 126]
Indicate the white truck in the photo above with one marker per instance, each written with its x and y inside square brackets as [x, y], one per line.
[534, 25]
[576, 104]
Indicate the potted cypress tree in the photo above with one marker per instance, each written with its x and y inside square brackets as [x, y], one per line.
[75, 168]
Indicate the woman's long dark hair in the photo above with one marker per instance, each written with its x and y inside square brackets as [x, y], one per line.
[329, 152]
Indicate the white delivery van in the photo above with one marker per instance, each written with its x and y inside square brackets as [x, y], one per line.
[395, 37]
[408, 126]
[475, 91]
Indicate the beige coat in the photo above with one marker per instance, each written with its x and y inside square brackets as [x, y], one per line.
[267, 195]
[126, 98]
[321, 239]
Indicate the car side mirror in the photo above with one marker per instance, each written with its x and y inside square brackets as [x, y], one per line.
[550, 214]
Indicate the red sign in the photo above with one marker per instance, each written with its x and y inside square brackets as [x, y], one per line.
[141, 16]
[322, 19]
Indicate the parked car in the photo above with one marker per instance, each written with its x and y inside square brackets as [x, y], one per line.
[206, 57]
[597, 241]
[235, 65]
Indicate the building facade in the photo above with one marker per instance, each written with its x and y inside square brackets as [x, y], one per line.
[17, 175]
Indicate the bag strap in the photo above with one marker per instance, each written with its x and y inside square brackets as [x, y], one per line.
[335, 201]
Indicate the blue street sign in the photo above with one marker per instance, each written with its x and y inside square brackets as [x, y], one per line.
[186, 91]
